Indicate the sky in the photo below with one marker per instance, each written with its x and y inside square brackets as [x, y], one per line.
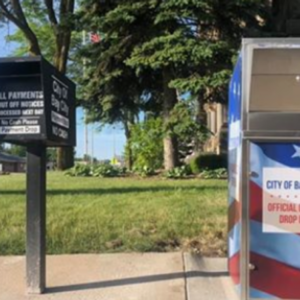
[108, 142]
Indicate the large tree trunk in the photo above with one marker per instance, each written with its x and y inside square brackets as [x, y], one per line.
[170, 152]
[65, 158]
[128, 122]
[129, 158]
[170, 142]
[201, 119]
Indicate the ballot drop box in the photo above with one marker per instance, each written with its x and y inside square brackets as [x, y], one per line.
[37, 110]
[264, 170]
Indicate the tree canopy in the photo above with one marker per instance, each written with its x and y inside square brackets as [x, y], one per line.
[151, 57]
[153, 52]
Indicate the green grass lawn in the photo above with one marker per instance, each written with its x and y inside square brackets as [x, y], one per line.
[92, 215]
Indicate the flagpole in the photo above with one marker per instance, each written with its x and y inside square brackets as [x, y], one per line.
[95, 38]
[92, 146]
[86, 130]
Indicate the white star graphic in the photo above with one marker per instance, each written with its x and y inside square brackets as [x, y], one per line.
[297, 153]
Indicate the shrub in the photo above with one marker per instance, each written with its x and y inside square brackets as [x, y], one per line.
[178, 172]
[214, 174]
[208, 161]
[107, 170]
[144, 171]
[4, 173]
[146, 144]
[102, 170]
[79, 170]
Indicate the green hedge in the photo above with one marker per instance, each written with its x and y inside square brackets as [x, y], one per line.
[208, 161]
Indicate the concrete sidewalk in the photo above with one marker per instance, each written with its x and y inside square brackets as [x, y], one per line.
[149, 276]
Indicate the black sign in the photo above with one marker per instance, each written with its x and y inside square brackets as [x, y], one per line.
[37, 103]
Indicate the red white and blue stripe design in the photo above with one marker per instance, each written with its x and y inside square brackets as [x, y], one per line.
[234, 157]
[234, 218]
[276, 255]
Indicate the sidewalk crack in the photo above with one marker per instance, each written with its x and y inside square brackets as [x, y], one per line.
[186, 294]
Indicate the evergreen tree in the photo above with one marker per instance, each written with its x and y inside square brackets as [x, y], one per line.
[17, 150]
[113, 92]
[285, 18]
[178, 46]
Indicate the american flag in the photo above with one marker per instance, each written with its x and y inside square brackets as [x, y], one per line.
[95, 37]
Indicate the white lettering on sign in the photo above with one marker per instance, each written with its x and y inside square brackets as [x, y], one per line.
[60, 132]
[2, 96]
[60, 109]
[13, 112]
[24, 95]
[16, 122]
[55, 102]
[64, 108]
[60, 120]
[59, 96]
[19, 130]
[38, 112]
[4, 104]
[281, 200]
[21, 107]
[4, 122]
[14, 104]
[27, 112]
[30, 104]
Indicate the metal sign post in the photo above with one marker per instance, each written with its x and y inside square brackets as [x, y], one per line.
[36, 219]
[37, 110]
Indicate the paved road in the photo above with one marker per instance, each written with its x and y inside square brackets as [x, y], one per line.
[149, 276]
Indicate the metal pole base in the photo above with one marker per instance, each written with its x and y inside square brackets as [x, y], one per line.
[36, 219]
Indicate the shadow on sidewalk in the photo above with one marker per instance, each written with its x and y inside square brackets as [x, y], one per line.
[133, 280]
